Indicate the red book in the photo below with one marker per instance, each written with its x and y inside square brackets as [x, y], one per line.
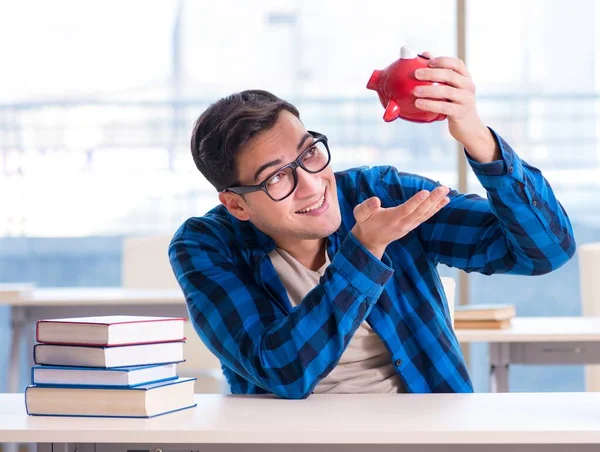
[110, 330]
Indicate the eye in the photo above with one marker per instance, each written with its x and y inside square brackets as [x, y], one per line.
[276, 178]
[311, 152]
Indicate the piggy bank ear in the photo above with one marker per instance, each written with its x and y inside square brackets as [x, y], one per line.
[373, 82]
[392, 111]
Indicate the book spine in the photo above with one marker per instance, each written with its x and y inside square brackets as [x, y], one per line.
[37, 331]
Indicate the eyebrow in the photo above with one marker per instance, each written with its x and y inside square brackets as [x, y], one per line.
[278, 161]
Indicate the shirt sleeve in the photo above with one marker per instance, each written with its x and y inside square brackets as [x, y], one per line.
[520, 228]
[286, 354]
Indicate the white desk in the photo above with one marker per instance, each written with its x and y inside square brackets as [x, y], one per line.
[530, 340]
[432, 422]
[29, 306]
[537, 340]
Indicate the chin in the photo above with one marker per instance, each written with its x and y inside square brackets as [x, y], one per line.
[321, 231]
[315, 235]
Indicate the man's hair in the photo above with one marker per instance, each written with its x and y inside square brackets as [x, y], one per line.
[226, 126]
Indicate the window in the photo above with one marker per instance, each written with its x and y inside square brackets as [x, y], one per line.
[542, 95]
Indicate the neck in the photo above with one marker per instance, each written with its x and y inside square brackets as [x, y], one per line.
[310, 253]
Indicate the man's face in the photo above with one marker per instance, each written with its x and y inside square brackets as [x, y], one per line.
[282, 220]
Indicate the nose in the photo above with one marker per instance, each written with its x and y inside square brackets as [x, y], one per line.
[309, 184]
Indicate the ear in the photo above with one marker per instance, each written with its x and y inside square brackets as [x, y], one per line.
[236, 205]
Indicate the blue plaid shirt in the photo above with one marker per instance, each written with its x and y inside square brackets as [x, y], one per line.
[241, 311]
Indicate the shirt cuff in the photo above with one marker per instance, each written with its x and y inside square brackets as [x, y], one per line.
[361, 268]
[500, 173]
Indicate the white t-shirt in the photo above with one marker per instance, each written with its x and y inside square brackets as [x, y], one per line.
[366, 365]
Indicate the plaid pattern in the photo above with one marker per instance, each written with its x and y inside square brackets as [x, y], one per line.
[240, 308]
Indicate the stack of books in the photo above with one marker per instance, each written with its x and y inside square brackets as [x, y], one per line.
[482, 316]
[110, 366]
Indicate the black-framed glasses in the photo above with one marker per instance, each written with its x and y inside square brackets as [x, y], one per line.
[282, 183]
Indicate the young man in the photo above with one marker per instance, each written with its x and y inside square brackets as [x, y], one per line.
[304, 280]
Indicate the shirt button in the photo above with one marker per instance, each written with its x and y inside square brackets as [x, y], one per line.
[398, 362]
[511, 169]
[534, 203]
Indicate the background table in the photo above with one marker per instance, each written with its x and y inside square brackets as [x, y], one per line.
[537, 340]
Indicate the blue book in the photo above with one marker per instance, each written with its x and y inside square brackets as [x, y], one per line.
[95, 376]
[138, 402]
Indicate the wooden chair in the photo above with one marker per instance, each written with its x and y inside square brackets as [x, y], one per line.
[589, 284]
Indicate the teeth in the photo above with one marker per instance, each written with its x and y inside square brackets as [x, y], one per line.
[315, 207]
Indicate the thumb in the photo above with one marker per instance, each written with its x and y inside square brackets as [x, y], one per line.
[364, 210]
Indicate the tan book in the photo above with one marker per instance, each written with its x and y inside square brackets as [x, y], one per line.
[141, 401]
[484, 312]
[481, 324]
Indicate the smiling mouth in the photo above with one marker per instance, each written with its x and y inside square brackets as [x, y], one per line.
[316, 206]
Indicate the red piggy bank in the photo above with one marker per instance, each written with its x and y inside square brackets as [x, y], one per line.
[395, 85]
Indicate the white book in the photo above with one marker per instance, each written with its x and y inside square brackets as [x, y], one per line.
[120, 356]
[110, 330]
[97, 376]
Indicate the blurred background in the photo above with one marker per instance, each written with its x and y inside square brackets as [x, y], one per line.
[98, 100]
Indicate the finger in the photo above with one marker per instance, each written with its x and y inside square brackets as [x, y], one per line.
[434, 199]
[441, 92]
[452, 63]
[364, 210]
[408, 214]
[437, 106]
[427, 54]
[410, 206]
[440, 201]
[435, 209]
[445, 76]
